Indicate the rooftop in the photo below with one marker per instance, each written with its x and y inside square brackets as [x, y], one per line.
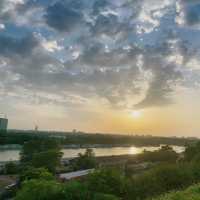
[76, 174]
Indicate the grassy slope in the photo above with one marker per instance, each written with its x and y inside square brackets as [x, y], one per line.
[192, 193]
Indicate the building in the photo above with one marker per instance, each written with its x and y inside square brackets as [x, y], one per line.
[3, 124]
[75, 175]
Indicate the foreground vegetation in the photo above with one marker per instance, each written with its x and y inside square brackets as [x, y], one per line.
[40, 164]
[192, 193]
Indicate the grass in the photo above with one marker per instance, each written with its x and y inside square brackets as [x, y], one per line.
[191, 193]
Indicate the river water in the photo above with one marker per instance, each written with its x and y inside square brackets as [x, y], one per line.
[13, 155]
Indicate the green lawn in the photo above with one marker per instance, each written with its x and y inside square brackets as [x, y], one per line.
[192, 193]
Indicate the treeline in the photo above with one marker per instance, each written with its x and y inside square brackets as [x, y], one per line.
[80, 139]
[126, 140]
[20, 137]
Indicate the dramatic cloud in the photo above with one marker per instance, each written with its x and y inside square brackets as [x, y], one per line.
[64, 16]
[17, 46]
[129, 54]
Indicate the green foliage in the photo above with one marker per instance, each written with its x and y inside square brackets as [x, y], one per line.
[36, 146]
[110, 184]
[192, 152]
[192, 193]
[165, 154]
[11, 168]
[108, 181]
[35, 173]
[105, 197]
[41, 153]
[40, 190]
[76, 191]
[160, 180]
[48, 159]
[85, 161]
[20, 137]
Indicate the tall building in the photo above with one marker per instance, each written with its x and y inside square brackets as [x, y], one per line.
[3, 124]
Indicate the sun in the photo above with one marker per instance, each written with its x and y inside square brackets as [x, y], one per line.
[136, 114]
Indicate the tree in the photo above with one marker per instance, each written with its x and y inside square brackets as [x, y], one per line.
[76, 191]
[164, 154]
[159, 180]
[41, 153]
[32, 147]
[11, 168]
[108, 181]
[192, 152]
[85, 161]
[40, 190]
[48, 159]
[36, 173]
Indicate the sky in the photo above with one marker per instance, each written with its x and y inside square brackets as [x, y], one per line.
[114, 66]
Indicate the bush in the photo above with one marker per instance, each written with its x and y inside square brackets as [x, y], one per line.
[105, 197]
[35, 173]
[11, 168]
[40, 190]
[48, 159]
[108, 181]
[192, 152]
[192, 193]
[76, 191]
[85, 161]
[160, 180]
[164, 154]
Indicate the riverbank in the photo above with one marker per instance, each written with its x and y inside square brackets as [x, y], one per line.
[13, 154]
[10, 147]
[84, 146]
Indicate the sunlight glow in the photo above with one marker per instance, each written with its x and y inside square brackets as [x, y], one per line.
[136, 114]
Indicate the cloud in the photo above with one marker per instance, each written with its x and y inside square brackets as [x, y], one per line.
[161, 87]
[188, 13]
[193, 14]
[64, 16]
[18, 46]
[125, 53]
[2, 26]
[51, 46]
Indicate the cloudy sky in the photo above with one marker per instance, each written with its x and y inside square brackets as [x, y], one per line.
[118, 66]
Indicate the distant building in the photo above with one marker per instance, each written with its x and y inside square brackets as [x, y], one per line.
[36, 128]
[3, 124]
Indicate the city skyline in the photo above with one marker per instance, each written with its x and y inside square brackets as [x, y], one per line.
[115, 66]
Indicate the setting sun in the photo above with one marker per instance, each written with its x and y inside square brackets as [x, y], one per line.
[136, 114]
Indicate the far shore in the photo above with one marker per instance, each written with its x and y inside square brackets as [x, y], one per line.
[82, 146]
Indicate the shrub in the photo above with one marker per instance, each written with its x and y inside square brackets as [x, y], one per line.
[35, 173]
[192, 193]
[85, 161]
[40, 190]
[160, 180]
[11, 168]
[108, 181]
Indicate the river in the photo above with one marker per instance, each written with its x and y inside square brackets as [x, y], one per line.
[13, 155]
